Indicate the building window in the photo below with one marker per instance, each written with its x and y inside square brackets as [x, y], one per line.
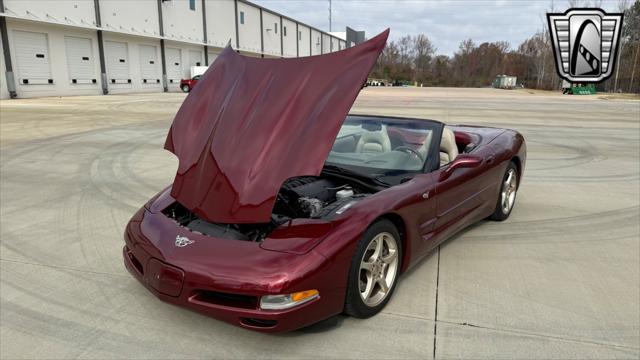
[242, 17]
[284, 31]
[275, 27]
[299, 35]
[192, 4]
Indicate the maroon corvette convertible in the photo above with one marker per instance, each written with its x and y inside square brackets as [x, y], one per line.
[285, 211]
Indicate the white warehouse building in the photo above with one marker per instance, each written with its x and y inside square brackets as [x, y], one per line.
[89, 47]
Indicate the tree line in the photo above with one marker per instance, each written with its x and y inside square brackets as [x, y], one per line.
[413, 59]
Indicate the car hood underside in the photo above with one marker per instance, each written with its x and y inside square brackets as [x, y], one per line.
[251, 124]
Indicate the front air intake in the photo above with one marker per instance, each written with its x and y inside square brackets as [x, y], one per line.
[259, 323]
[224, 299]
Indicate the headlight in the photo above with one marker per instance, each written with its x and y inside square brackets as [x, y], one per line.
[281, 302]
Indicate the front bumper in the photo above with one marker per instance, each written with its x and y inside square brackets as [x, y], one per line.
[216, 292]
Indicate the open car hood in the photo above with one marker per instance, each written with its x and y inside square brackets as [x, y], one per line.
[250, 124]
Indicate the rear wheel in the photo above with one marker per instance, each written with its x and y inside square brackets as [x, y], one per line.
[507, 195]
[185, 88]
[374, 270]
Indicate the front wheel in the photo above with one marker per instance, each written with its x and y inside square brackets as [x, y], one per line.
[507, 195]
[185, 88]
[374, 270]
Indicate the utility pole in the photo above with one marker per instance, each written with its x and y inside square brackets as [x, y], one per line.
[330, 16]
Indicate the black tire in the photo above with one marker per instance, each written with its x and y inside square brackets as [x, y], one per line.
[499, 214]
[185, 88]
[354, 304]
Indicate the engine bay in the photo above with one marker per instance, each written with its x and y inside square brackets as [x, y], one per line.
[310, 197]
[313, 197]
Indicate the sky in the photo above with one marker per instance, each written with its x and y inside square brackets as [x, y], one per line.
[445, 22]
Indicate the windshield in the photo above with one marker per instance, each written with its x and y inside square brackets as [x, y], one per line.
[380, 147]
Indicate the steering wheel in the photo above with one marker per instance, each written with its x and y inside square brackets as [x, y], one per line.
[408, 150]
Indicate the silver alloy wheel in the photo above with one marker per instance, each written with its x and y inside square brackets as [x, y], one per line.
[378, 269]
[508, 194]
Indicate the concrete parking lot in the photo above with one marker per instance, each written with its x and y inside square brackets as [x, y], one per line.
[559, 279]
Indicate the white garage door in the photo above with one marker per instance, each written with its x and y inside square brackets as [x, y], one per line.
[149, 64]
[32, 57]
[174, 65]
[117, 60]
[80, 60]
[195, 58]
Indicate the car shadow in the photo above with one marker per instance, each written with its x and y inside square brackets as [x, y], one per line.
[329, 324]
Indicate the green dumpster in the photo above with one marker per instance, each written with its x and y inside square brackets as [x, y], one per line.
[587, 89]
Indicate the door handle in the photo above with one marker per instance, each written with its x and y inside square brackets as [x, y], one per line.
[425, 195]
[491, 159]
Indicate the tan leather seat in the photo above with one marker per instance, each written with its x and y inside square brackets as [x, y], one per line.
[374, 142]
[448, 147]
[424, 148]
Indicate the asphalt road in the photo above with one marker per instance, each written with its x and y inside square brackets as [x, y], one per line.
[559, 279]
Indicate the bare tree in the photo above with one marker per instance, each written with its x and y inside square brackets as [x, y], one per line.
[405, 49]
[423, 53]
[623, 5]
[632, 24]
[585, 3]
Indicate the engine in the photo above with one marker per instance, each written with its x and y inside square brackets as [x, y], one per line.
[311, 197]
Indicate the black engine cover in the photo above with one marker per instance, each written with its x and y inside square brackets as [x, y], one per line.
[308, 186]
[321, 189]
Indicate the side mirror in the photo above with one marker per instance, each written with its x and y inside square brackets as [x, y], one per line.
[462, 161]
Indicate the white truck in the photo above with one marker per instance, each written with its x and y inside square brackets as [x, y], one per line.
[197, 70]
